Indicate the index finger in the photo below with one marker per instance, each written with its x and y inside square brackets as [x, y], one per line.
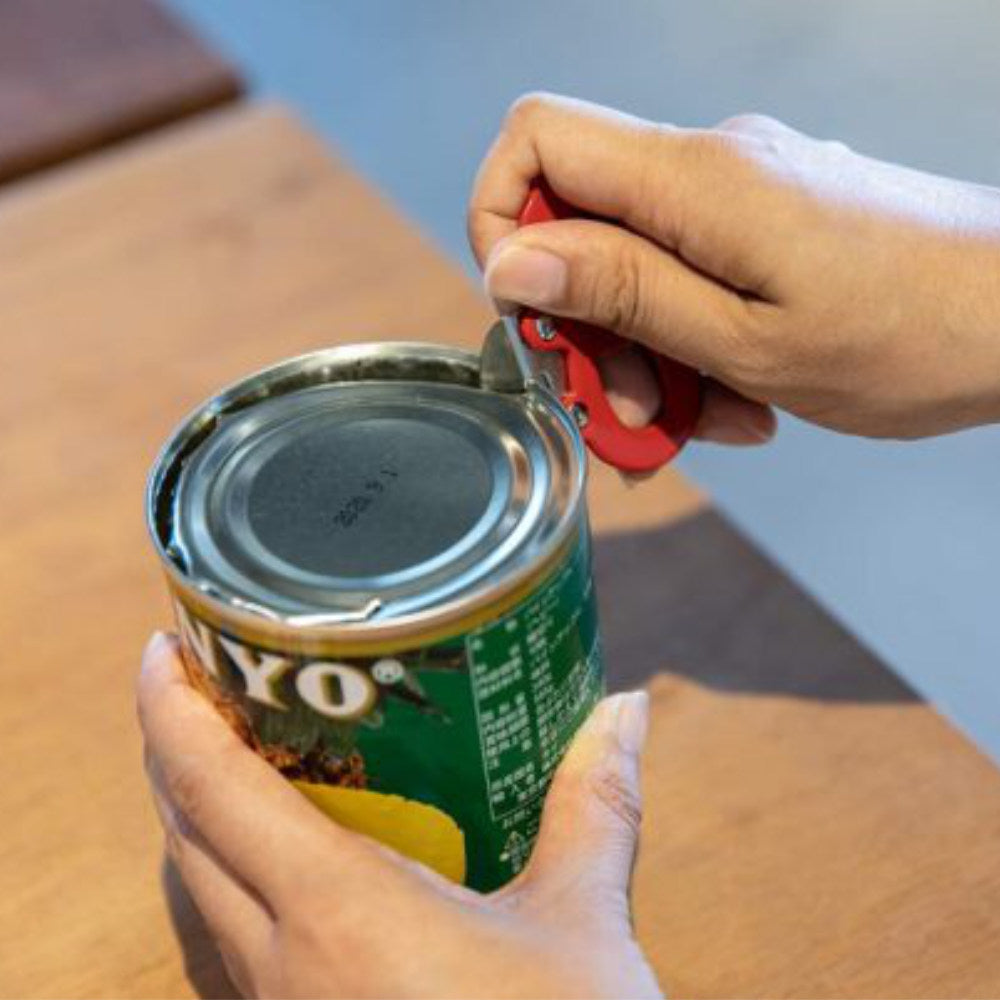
[253, 819]
[591, 156]
[700, 193]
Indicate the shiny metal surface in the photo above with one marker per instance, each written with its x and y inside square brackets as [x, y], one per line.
[365, 485]
[507, 364]
[504, 365]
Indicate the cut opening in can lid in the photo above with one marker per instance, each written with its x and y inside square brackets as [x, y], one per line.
[364, 484]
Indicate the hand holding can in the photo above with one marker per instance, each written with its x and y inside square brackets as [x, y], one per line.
[267, 870]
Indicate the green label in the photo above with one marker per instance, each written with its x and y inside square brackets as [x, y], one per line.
[444, 752]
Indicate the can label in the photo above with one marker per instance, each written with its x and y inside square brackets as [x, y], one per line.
[443, 751]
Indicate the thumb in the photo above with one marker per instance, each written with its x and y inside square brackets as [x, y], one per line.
[615, 279]
[586, 847]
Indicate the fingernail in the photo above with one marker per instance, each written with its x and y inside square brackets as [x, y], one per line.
[632, 720]
[632, 480]
[159, 643]
[155, 642]
[747, 431]
[760, 427]
[526, 275]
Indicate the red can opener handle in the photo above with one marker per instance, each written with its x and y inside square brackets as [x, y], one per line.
[631, 449]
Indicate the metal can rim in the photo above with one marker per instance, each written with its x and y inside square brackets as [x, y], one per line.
[274, 628]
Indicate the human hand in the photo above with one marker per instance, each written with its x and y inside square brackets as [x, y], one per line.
[302, 907]
[855, 294]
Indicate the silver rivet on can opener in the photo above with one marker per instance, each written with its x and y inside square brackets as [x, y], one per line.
[546, 327]
[580, 415]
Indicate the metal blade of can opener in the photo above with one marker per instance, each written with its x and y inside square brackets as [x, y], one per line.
[507, 364]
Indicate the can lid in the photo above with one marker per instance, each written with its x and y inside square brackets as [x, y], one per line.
[330, 490]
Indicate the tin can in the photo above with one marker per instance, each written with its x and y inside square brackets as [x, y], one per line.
[381, 577]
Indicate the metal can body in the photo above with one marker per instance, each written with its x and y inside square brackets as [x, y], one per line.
[419, 685]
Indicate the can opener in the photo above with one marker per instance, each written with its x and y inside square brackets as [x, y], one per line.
[530, 348]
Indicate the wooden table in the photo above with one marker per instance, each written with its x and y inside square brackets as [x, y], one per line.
[813, 828]
[78, 74]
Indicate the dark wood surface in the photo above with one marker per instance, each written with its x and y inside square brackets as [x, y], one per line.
[812, 828]
[78, 74]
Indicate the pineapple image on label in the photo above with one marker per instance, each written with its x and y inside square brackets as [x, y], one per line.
[420, 831]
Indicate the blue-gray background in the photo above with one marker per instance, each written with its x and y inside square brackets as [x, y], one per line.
[901, 541]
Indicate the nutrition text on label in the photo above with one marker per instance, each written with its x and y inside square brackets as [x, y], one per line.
[530, 690]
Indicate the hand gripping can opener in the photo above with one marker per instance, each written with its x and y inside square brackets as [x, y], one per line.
[564, 356]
